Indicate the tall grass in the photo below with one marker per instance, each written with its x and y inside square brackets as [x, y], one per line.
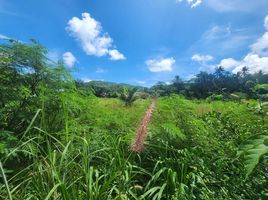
[89, 156]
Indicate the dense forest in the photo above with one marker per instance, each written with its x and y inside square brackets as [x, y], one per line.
[62, 138]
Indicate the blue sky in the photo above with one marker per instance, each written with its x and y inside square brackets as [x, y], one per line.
[143, 41]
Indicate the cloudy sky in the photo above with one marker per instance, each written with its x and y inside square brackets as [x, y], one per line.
[143, 41]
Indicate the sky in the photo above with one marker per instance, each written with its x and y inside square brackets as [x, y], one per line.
[141, 42]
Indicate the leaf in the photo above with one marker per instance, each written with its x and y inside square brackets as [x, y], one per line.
[52, 191]
[251, 142]
[253, 156]
[252, 150]
[5, 181]
[173, 130]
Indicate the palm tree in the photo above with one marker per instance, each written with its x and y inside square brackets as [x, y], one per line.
[129, 96]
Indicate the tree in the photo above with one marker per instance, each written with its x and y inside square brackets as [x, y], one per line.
[178, 84]
[26, 74]
[245, 71]
[161, 89]
[202, 84]
[129, 96]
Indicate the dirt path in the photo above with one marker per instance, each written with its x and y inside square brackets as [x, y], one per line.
[138, 142]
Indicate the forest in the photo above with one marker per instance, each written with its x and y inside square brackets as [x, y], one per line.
[62, 138]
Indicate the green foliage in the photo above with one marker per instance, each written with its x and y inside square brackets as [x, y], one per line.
[215, 97]
[252, 150]
[263, 87]
[214, 132]
[27, 75]
[172, 131]
[128, 96]
[7, 141]
[105, 89]
[221, 82]
[261, 91]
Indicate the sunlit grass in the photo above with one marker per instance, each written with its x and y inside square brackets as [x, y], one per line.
[190, 143]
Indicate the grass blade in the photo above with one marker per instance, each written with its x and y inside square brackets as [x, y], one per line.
[5, 181]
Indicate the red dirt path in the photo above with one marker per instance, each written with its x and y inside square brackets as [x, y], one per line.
[138, 143]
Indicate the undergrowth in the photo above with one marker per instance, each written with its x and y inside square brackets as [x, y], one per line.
[82, 151]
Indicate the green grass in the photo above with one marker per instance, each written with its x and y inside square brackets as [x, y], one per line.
[84, 153]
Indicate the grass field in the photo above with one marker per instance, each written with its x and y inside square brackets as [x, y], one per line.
[190, 152]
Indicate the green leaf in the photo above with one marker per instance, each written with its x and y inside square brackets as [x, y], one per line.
[252, 150]
[173, 130]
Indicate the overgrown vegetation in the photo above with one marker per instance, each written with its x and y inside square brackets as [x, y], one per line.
[207, 138]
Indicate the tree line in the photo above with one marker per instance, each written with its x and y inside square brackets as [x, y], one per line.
[221, 84]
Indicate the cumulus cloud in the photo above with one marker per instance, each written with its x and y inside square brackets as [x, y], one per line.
[160, 65]
[192, 3]
[229, 63]
[94, 41]
[116, 55]
[261, 45]
[255, 60]
[69, 59]
[202, 58]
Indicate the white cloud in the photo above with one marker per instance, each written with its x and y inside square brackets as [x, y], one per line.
[89, 33]
[261, 45]
[266, 22]
[3, 37]
[192, 3]
[196, 3]
[69, 59]
[255, 60]
[255, 63]
[168, 83]
[160, 65]
[86, 80]
[229, 63]
[202, 58]
[116, 55]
